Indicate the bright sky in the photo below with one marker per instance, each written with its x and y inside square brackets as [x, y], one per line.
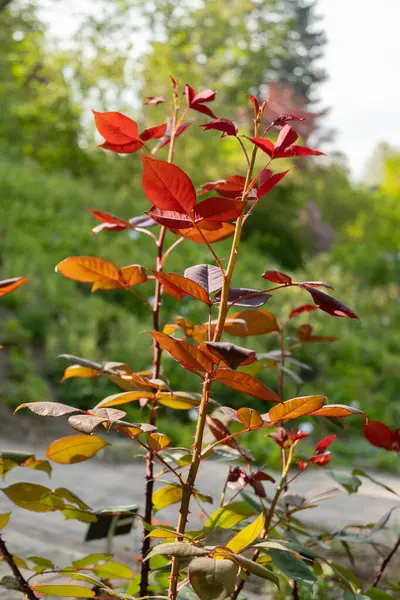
[362, 59]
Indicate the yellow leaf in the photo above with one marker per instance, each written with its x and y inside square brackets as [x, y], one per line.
[245, 537]
[75, 448]
[169, 494]
[64, 591]
[162, 533]
[88, 268]
[113, 570]
[117, 399]
[249, 417]
[158, 441]
[251, 322]
[296, 407]
[4, 518]
[179, 400]
[78, 371]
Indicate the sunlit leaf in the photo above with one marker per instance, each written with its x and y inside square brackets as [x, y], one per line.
[182, 286]
[167, 186]
[246, 536]
[75, 448]
[124, 398]
[250, 322]
[227, 354]
[277, 277]
[213, 579]
[179, 549]
[179, 400]
[186, 354]
[4, 518]
[113, 570]
[81, 372]
[33, 497]
[296, 407]
[9, 285]
[64, 591]
[88, 269]
[336, 410]
[115, 127]
[48, 409]
[203, 234]
[167, 495]
[158, 441]
[229, 516]
[90, 559]
[249, 417]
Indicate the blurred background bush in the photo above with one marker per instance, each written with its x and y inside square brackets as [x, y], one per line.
[57, 61]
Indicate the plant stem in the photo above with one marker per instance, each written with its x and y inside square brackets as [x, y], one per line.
[201, 421]
[22, 583]
[157, 351]
[385, 563]
[269, 516]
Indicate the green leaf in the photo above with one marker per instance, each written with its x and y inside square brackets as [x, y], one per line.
[213, 579]
[79, 515]
[348, 577]
[362, 473]
[113, 570]
[293, 567]
[229, 516]
[349, 482]
[167, 495]
[245, 537]
[90, 559]
[4, 518]
[41, 562]
[33, 497]
[377, 594]
[64, 591]
[179, 549]
[70, 497]
[9, 582]
[257, 569]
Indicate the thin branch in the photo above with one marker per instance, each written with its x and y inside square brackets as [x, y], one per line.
[244, 150]
[21, 581]
[171, 248]
[211, 249]
[385, 563]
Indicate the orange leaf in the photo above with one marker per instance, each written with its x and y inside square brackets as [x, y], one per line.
[182, 286]
[186, 354]
[336, 410]
[255, 322]
[296, 407]
[9, 285]
[81, 372]
[88, 268]
[158, 441]
[133, 274]
[249, 417]
[212, 236]
[167, 186]
[247, 384]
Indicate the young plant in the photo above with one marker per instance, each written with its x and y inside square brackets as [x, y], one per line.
[214, 561]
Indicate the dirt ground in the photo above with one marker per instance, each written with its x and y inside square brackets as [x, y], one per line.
[102, 483]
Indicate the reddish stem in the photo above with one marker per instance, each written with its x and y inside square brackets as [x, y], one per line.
[21, 581]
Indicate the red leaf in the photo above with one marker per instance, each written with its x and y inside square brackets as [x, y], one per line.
[170, 218]
[165, 140]
[167, 186]
[203, 109]
[154, 100]
[325, 443]
[115, 127]
[283, 119]
[219, 209]
[378, 434]
[293, 151]
[189, 94]
[264, 144]
[256, 104]
[220, 432]
[109, 222]
[212, 235]
[196, 101]
[321, 459]
[225, 125]
[186, 354]
[204, 96]
[329, 304]
[129, 148]
[302, 309]
[277, 276]
[153, 132]
[315, 284]
[286, 138]
[270, 182]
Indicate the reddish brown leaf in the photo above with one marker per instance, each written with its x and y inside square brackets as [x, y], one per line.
[227, 354]
[220, 432]
[256, 104]
[116, 128]
[196, 101]
[329, 304]
[9, 285]
[208, 277]
[109, 222]
[336, 411]
[225, 125]
[302, 309]
[229, 188]
[171, 218]
[153, 133]
[48, 409]
[250, 322]
[246, 384]
[132, 275]
[286, 138]
[167, 186]
[165, 140]
[245, 297]
[186, 354]
[219, 209]
[270, 182]
[182, 285]
[296, 407]
[325, 443]
[293, 151]
[277, 276]
[304, 332]
[284, 119]
[378, 434]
